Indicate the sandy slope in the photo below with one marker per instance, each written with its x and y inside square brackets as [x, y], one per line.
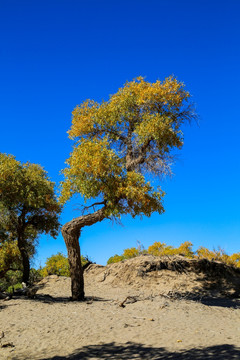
[158, 320]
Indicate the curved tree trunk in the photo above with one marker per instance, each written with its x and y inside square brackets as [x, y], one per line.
[71, 232]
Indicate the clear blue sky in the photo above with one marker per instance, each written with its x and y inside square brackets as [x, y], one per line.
[54, 54]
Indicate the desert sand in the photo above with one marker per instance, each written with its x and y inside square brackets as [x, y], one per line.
[142, 308]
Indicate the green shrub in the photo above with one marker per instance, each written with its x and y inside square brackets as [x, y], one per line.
[14, 287]
[10, 279]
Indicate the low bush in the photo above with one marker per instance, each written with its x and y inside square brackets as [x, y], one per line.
[185, 249]
[58, 265]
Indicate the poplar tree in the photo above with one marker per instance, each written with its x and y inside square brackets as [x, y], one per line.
[120, 145]
[28, 206]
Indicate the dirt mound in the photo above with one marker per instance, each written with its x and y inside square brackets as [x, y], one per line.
[147, 275]
[170, 275]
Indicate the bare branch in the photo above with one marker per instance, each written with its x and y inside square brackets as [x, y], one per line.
[85, 208]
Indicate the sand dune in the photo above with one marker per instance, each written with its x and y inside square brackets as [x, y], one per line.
[143, 308]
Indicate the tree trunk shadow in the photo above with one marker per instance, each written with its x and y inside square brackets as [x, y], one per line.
[140, 352]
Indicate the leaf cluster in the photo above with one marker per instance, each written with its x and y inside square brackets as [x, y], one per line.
[10, 258]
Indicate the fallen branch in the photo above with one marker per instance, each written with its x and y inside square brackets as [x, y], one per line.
[129, 300]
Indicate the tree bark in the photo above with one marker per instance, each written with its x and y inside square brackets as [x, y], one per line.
[71, 232]
[71, 239]
[25, 259]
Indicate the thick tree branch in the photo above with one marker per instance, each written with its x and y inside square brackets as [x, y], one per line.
[100, 132]
[76, 224]
[133, 161]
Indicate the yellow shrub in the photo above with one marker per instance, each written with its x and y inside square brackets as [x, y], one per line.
[185, 249]
[205, 253]
[161, 249]
[130, 253]
[58, 265]
[114, 259]
[157, 248]
[235, 258]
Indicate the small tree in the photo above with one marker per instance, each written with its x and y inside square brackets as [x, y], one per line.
[119, 143]
[58, 265]
[28, 206]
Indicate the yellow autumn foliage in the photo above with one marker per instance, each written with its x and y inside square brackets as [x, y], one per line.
[119, 145]
[130, 253]
[58, 265]
[120, 140]
[10, 257]
[185, 249]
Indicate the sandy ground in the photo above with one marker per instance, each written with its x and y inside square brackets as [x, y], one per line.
[151, 325]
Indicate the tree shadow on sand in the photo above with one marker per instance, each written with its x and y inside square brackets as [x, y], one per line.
[58, 299]
[45, 298]
[138, 351]
[227, 302]
[222, 302]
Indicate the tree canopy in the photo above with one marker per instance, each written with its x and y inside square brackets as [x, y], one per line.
[28, 206]
[118, 144]
[119, 141]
